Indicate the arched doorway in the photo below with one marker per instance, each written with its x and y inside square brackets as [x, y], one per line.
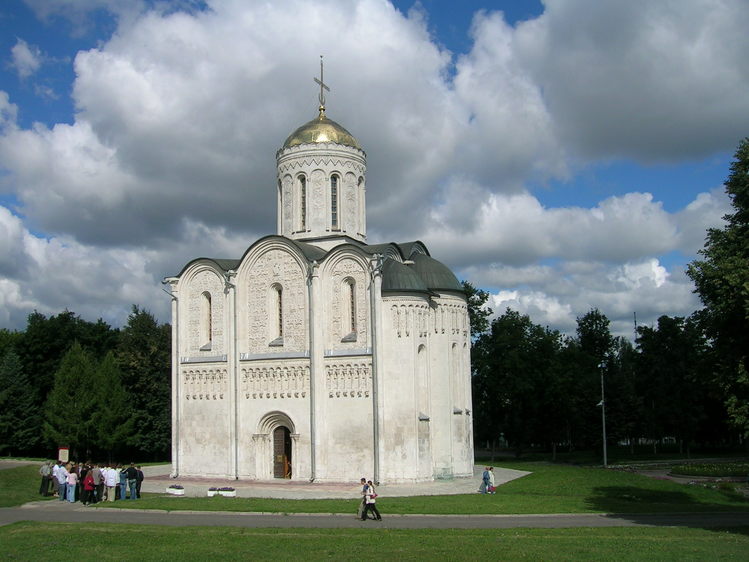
[281, 452]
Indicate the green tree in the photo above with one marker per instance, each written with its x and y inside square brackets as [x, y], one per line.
[478, 312]
[72, 403]
[8, 340]
[722, 281]
[594, 350]
[674, 380]
[46, 340]
[113, 417]
[513, 364]
[20, 423]
[144, 358]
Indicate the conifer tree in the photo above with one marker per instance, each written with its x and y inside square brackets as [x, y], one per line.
[72, 403]
[113, 417]
[19, 420]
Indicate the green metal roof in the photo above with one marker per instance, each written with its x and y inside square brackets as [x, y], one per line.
[435, 275]
[398, 277]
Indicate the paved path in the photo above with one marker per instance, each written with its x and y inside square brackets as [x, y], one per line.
[56, 511]
[157, 480]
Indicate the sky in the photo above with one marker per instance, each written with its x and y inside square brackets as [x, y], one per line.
[562, 155]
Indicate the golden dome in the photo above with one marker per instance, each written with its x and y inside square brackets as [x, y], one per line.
[321, 129]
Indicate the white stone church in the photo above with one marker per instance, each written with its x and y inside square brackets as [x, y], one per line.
[317, 356]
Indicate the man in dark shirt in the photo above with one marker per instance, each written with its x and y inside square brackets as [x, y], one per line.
[132, 480]
[140, 479]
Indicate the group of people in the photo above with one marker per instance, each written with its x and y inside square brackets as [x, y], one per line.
[368, 502]
[487, 481]
[90, 483]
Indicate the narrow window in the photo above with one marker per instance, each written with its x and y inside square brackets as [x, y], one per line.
[206, 329]
[352, 305]
[334, 202]
[303, 202]
[348, 310]
[279, 310]
[276, 316]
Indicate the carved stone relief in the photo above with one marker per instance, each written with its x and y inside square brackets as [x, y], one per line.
[350, 207]
[349, 380]
[204, 384]
[347, 269]
[288, 198]
[205, 281]
[276, 267]
[318, 201]
[274, 380]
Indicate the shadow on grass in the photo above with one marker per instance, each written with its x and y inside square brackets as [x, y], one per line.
[672, 508]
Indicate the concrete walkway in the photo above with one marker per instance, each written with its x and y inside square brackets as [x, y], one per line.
[157, 480]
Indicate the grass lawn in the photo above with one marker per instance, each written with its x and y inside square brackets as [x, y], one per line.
[19, 485]
[550, 489]
[88, 541]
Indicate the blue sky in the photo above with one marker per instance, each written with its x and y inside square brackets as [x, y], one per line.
[561, 155]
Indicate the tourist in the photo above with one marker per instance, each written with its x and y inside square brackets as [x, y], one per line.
[46, 473]
[98, 483]
[484, 488]
[132, 480]
[62, 481]
[82, 470]
[88, 489]
[55, 469]
[72, 481]
[110, 481]
[123, 481]
[363, 501]
[370, 500]
[140, 479]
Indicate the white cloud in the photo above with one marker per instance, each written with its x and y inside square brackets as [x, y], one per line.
[648, 80]
[568, 290]
[26, 59]
[179, 115]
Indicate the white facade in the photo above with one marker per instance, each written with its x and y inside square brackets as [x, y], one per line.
[316, 356]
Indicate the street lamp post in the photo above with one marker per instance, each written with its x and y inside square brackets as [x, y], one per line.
[603, 414]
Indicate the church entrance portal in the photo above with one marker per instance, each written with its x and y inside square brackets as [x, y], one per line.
[281, 452]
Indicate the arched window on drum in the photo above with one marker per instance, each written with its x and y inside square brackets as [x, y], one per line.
[334, 202]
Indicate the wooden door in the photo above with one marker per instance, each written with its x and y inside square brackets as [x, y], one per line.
[281, 452]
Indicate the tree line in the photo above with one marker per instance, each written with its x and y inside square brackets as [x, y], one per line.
[684, 379]
[101, 391]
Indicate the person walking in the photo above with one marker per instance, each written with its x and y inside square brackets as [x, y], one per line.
[370, 503]
[490, 488]
[363, 493]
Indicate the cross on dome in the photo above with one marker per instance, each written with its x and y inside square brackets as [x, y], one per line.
[323, 87]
